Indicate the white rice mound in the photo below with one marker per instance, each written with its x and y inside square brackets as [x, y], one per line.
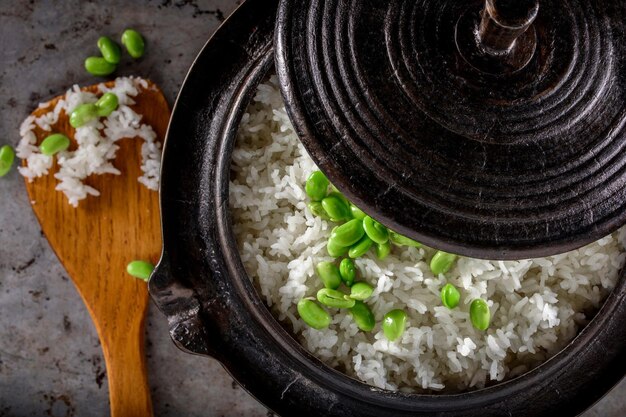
[537, 305]
[96, 141]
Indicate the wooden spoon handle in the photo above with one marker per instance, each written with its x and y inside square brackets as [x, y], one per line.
[124, 355]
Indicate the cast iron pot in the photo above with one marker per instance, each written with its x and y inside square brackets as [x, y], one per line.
[212, 306]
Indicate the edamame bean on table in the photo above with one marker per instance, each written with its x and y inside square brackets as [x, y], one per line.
[7, 156]
[134, 43]
[110, 51]
[98, 66]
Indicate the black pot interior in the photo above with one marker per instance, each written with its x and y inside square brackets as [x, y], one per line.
[213, 308]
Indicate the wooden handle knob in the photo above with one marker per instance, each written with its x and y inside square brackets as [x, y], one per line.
[503, 21]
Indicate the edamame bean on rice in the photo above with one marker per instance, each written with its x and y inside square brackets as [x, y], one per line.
[281, 242]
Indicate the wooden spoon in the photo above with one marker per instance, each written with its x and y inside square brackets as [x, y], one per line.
[96, 241]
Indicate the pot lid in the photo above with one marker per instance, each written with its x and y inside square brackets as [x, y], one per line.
[490, 129]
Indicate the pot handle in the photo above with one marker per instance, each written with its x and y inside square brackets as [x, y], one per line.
[180, 305]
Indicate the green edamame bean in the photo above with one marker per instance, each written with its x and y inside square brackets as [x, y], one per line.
[394, 323]
[360, 248]
[441, 262]
[336, 208]
[480, 314]
[312, 314]
[340, 196]
[54, 143]
[348, 233]
[376, 231]
[401, 240]
[363, 316]
[317, 186]
[361, 291]
[98, 66]
[450, 296]
[83, 114]
[334, 250]
[107, 104]
[110, 51]
[383, 250]
[356, 212]
[347, 270]
[134, 43]
[317, 209]
[140, 269]
[7, 156]
[329, 274]
[334, 298]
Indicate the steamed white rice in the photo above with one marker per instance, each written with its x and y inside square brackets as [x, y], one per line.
[96, 141]
[537, 305]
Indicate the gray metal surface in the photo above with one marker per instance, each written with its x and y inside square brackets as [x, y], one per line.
[50, 358]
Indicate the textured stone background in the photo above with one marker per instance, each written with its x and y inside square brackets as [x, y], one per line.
[50, 358]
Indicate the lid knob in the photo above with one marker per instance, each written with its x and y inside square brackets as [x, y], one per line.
[498, 38]
[503, 21]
